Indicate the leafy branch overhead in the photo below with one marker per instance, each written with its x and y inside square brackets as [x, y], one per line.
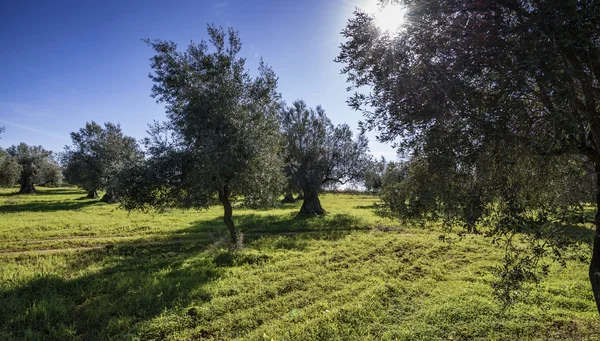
[497, 103]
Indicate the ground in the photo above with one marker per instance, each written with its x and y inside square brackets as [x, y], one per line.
[73, 268]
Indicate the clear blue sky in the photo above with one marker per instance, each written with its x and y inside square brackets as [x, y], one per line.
[63, 63]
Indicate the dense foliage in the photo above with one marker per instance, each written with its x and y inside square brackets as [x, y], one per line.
[36, 167]
[319, 154]
[373, 176]
[97, 156]
[9, 168]
[497, 101]
[221, 140]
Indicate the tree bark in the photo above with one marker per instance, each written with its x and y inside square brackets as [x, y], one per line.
[595, 262]
[92, 194]
[109, 198]
[288, 198]
[227, 216]
[311, 204]
[27, 188]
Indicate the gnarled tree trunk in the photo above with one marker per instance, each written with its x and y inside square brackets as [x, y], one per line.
[228, 215]
[27, 188]
[311, 204]
[109, 197]
[93, 194]
[288, 199]
[595, 263]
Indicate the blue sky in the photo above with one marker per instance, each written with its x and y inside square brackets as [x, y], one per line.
[63, 63]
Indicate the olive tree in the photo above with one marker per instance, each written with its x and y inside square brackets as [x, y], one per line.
[96, 157]
[32, 161]
[320, 154]
[9, 168]
[502, 97]
[374, 174]
[50, 173]
[221, 140]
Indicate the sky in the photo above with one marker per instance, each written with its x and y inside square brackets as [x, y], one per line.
[65, 63]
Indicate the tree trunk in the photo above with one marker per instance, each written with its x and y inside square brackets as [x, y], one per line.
[27, 188]
[311, 204]
[595, 262]
[288, 199]
[109, 198]
[227, 216]
[92, 194]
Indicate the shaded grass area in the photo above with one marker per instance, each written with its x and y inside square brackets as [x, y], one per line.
[348, 276]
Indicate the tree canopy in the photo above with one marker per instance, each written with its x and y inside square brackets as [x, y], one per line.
[374, 174]
[36, 166]
[96, 157]
[221, 140]
[9, 168]
[497, 99]
[319, 154]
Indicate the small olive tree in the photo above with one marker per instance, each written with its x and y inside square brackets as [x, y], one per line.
[97, 155]
[221, 141]
[374, 174]
[32, 161]
[320, 154]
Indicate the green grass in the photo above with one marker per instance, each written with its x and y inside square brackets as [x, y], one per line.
[73, 268]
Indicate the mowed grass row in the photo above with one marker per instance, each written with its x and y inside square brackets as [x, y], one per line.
[351, 275]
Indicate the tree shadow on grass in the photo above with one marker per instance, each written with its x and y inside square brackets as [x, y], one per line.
[45, 191]
[136, 283]
[281, 231]
[46, 206]
[59, 191]
[254, 223]
[380, 210]
[114, 292]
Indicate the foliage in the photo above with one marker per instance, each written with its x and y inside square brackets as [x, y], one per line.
[50, 174]
[36, 166]
[221, 139]
[9, 170]
[373, 176]
[497, 102]
[319, 154]
[97, 156]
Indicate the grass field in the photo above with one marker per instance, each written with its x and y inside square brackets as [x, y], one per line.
[72, 268]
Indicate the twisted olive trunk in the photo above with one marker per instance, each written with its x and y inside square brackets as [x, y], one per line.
[27, 180]
[228, 215]
[93, 194]
[27, 188]
[311, 204]
[288, 199]
[109, 197]
[595, 262]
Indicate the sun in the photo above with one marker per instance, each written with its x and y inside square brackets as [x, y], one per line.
[389, 18]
